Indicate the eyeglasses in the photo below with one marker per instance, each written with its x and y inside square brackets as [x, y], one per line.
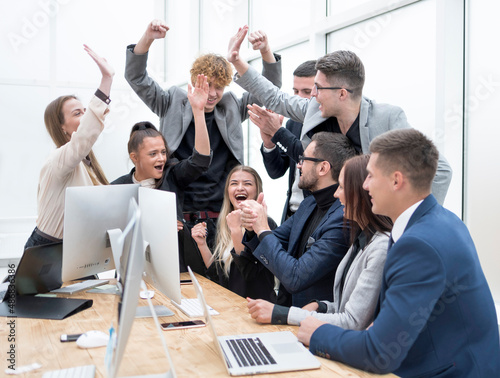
[320, 88]
[302, 158]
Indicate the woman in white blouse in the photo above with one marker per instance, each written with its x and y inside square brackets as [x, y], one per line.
[359, 275]
[74, 131]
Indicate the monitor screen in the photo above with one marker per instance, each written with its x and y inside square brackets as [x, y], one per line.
[90, 211]
[159, 227]
[129, 283]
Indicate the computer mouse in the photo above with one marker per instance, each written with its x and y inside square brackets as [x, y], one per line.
[92, 339]
[144, 294]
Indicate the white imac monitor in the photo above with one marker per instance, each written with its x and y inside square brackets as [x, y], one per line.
[132, 248]
[159, 227]
[90, 211]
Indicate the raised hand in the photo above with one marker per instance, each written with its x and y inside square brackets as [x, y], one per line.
[234, 220]
[198, 95]
[266, 120]
[233, 50]
[104, 66]
[259, 41]
[156, 29]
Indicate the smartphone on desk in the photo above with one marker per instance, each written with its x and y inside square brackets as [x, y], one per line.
[186, 282]
[181, 325]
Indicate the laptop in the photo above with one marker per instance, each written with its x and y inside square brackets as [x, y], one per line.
[39, 270]
[258, 353]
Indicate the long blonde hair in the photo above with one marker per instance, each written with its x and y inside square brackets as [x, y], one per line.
[54, 119]
[223, 239]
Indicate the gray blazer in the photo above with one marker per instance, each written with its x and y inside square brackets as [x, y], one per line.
[374, 119]
[174, 109]
[356, 308]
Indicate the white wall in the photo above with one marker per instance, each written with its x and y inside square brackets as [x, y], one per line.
[483, 136]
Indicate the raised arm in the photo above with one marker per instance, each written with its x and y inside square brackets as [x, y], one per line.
[197, 97]
[233, 51]
[156, 29]
[106, 70]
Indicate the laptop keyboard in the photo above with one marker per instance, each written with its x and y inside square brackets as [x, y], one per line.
[250, 352]
[192, 308]
[87, 371]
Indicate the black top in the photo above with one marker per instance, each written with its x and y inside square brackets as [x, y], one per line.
[247, 276]
[332, 124]
[207, 191]
[324, 200]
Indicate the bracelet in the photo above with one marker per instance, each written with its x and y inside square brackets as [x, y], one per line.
[100, 95]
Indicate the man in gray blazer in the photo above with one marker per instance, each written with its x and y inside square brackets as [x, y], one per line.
[337, 106]
[224, 113]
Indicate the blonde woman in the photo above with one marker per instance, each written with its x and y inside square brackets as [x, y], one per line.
[74, 130]
[236, 269]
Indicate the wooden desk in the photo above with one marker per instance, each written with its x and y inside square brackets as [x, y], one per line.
[192, 350]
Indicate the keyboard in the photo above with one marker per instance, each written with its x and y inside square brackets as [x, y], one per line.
[250, 352]
[87, 371]
[192, 308]
[80, 286]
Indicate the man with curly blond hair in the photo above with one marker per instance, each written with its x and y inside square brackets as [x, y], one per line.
[224, 113]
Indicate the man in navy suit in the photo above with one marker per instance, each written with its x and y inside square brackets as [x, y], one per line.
[436, 313]
[303, 253]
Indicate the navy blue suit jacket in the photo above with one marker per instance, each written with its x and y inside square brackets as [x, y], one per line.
[437, 315]
[311, 275]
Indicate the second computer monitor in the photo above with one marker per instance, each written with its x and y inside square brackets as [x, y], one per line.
[159, 227]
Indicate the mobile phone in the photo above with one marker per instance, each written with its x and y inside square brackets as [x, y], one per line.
[66, 338]
[186, 282]
[181, 325]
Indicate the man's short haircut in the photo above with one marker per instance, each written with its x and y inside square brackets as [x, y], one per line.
[410, 152]
[343, 68]
[335, 148]
[306, 69]
[214, 67]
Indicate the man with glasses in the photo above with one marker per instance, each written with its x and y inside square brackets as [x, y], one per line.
[337, 106]
[304, 252]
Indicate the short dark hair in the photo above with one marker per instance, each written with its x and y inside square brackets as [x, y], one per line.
[334, 148]
[343, 68]
[358, 202]
[410, 152]
[306, 69]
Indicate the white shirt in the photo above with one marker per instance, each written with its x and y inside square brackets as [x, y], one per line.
[402, 221]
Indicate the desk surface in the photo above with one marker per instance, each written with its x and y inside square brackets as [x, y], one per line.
[192, 350]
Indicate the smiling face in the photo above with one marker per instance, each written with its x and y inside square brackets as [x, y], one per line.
[308, 170]
[379, 187]
[241, 187]
[215, 94]
[73, 112]
[150, 158]
[327, 98]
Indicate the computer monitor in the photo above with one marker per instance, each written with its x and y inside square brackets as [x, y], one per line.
[131, 244]
[159, 227]
[90, 211]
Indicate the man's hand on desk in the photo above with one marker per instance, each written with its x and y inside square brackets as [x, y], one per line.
[260, 310]
[307, 328]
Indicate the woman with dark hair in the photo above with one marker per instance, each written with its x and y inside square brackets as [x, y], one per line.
[359, 275]
[233, 267]
[153, 166]
[74, 130]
